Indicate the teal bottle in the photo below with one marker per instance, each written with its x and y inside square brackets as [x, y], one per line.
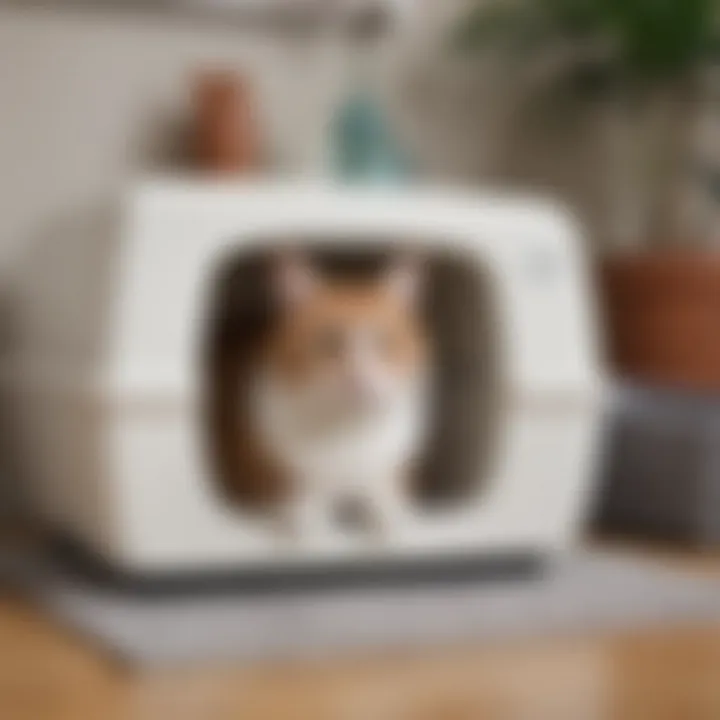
[365, 150]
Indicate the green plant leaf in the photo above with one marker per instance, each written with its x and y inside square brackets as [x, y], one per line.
[712, 48]
[650, 40]
[491, 24]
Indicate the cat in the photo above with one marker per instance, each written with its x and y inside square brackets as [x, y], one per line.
[340, 394]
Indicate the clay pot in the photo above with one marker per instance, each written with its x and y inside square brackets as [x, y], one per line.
[662, 313]
[226, 136]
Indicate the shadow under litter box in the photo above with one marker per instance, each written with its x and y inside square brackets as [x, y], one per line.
[578, 594]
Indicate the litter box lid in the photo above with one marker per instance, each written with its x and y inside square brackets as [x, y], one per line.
[116, 308]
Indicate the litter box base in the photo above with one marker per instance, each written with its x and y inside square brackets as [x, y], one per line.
[84, 565]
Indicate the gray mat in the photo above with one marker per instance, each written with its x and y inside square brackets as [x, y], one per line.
[580, 594]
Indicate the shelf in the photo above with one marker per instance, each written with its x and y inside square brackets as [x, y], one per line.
[290, 13]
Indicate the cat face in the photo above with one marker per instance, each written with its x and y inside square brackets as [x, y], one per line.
[346, 347]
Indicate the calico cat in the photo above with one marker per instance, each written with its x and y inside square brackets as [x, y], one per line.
[339, 394]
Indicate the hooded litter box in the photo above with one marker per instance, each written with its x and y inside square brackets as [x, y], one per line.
[121, 394]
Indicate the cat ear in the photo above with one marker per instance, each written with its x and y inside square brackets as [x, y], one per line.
[294, 280]
[405, 279]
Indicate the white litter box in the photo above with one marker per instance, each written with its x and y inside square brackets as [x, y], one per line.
[114, 384]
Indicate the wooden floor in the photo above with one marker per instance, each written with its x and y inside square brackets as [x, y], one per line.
[47, 674]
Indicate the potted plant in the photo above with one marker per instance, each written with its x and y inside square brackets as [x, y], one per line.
[651, 62]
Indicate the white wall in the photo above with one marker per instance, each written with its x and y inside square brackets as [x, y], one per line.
[88, 100]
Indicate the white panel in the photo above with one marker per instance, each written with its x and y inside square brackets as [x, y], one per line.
[179, 234]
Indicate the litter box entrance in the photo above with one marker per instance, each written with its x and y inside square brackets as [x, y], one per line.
[456, 309]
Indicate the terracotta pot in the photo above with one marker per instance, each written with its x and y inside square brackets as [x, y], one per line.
[662, 314]
[226, 133]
